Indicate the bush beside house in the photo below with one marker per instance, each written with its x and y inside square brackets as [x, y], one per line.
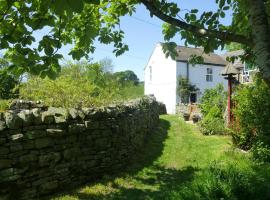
[213, 105]
[252, 119]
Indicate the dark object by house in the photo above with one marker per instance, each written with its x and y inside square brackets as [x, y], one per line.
[195, 118]
[162, 108]
[186, 116]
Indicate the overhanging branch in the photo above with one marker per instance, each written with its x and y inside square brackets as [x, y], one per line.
[201, 32]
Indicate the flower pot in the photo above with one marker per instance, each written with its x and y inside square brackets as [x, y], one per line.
[195, 118]
[186, 116]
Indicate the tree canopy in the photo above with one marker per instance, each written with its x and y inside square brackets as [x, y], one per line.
[126, 76]
[80, 22]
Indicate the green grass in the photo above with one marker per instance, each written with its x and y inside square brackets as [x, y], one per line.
[177, 162]
[132, 91]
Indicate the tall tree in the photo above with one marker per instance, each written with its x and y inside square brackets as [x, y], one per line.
[80, 22]
[126, 77]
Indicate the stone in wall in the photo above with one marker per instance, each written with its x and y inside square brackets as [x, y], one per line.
[45, 150]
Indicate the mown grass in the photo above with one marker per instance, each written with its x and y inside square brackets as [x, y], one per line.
[178, 162]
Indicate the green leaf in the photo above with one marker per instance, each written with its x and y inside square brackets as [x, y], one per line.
[194, 11]
[226, 7]
[60, 6]
[193, 17]
[48, 50]
[96, 2]
[222, 14]
[3, 44]
[221, 3]
[75, 5]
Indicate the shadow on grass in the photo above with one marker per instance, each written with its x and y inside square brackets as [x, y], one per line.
[160, 183]
[216, 181]
[163, 179]
[156, 182]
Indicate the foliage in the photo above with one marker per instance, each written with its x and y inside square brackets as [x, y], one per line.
[184, 89]
[126, 76]
[233, 47]
[215, 97]
[4, 104]
[8, 81]
[261, 152]
[107, 65]
[81, 22]
[212, 125]
[178, 163]
[131, 91]
[252, 112]
[213, 105]
[79, 85]
[77, 22]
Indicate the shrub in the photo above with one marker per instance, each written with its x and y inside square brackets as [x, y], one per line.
[212, 126]
[252, 113]
[4, 105]
[213, 104]
[79, 85]
[215, 97]
[261, 152]
[184, 89]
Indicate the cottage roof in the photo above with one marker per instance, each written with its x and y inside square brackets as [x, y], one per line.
[184, 54]
[229, 69]
[237, 63]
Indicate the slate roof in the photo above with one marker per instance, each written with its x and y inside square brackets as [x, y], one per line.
[229, 69]
[184, 54]
[237, 63]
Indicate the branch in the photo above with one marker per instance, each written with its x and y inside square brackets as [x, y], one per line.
[200, 32]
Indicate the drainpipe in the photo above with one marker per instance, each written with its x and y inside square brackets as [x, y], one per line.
[188, 78]
[187, 71]
[229, 99]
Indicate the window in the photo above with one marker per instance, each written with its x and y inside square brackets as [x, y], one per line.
[150, 73]
[193, 97]
[209, 74]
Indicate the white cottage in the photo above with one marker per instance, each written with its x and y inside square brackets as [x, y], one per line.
[161, 74]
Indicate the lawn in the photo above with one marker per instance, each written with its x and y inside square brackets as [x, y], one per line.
[178, 162]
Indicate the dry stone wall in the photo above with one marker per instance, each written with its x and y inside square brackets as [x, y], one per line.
[45, 150]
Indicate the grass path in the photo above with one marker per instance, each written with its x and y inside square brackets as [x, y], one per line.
[178, 162]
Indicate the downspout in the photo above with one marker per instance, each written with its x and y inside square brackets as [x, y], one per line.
[187, 71]
[188, 78]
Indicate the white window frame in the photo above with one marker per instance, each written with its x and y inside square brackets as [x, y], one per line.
[209, 75]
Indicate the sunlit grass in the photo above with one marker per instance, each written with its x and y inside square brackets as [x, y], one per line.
[178, 162]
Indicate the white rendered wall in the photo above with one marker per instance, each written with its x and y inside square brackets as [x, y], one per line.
[163, 83]
[197, 76]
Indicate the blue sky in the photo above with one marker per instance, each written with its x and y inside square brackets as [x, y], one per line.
[142, 33]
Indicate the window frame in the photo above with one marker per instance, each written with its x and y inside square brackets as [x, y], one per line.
[209, 74]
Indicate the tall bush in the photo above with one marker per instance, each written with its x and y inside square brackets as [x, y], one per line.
[213, 105]
[252, 113]
[81, 84]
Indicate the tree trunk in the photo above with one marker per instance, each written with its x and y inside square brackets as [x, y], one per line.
[261, 36]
